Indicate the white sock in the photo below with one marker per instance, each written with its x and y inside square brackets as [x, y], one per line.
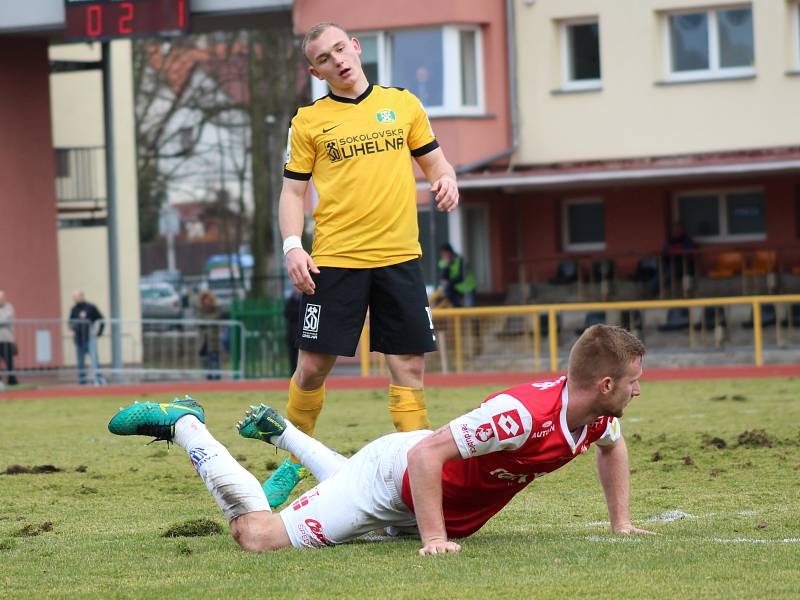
[234, 488]
[315, 456]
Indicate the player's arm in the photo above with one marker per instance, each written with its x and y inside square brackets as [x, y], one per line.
[425, 462]
[614, 474]
[442, 177]
[291, 215]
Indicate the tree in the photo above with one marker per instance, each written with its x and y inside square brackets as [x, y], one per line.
[274, 95]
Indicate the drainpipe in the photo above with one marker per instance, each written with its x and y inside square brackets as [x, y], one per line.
[513, 105]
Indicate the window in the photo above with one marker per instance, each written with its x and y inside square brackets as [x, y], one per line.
[583, 224]
[443, 66]
[710, 44]
[721, 216]
[580, 55]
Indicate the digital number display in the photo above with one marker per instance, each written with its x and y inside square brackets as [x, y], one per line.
[96, 20]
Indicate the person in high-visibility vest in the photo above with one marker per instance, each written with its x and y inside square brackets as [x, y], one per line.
[455, 279]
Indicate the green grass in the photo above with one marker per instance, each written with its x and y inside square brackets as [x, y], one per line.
[95, 528]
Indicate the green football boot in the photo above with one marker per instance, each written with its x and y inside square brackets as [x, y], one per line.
[281, 483]
[261, 423]
[153, 418]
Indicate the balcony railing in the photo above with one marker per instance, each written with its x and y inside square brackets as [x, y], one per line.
[81, 186]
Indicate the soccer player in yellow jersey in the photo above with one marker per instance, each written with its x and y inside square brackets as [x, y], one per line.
[357, 143]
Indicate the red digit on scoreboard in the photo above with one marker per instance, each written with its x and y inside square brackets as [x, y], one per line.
[94, 20]
[181, 13]
[126, 18]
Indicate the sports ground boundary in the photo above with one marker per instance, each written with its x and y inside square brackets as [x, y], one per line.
[432, 380]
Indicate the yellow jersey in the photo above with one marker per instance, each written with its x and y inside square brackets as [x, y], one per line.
[358, 150]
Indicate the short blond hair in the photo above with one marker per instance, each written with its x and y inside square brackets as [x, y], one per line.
[316, 31]
[602, 351]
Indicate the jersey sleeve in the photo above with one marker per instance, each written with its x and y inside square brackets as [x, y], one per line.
[500, 424]
[299, 152]
[420, 139]
[612, 433]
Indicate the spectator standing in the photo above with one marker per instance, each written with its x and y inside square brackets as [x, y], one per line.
[210, 338]
[86, 322]
[8, 348]
[678, 262]
[457, 282]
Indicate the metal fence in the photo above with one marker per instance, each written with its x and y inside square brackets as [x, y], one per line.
[691, 332]
[52, 351]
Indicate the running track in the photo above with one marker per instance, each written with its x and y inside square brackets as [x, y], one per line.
[498, 379]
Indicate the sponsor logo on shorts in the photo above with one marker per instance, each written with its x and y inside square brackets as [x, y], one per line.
[304, 537]
[199, 456]
[304, 499]
[315, 527]
[311, 321]
[485, 432]
[508, 424]
[468, 438]
[430, 322]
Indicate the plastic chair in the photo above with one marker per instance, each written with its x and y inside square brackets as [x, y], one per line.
[677, 318]
[764, 262]
[768, 317]
[567, 272]
[592, 318]
[728, 265]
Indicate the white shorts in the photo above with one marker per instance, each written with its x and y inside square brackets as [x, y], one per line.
[364, 495]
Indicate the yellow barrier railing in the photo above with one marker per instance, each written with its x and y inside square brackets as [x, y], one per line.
[460, 315]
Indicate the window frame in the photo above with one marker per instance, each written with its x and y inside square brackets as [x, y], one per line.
[795, 16]
[453, 104]
[714, 70]
[722, 194]
[566, 243]
[566, 56]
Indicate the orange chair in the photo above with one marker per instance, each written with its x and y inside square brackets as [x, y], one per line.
[728, 265]
[764, 263]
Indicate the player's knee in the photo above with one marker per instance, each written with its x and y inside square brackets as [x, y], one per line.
[258, 532]
[312, 370]
[252, 542]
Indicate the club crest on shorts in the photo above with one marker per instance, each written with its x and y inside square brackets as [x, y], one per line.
[311, 321]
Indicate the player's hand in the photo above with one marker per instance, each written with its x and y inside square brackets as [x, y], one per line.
[300, 265]
[438, 546]
[630, 529]
[446, 190]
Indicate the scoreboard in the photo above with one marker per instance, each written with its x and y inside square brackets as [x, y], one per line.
[100, 20]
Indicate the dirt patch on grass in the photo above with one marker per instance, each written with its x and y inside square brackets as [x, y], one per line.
[36, 469]
[732, 397]
[716, 442]
[756, 438]
[193, 528]
[31, 530]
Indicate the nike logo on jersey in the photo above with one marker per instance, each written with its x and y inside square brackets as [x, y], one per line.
[327, 129]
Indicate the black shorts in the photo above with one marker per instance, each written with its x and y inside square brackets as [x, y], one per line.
[332, 318]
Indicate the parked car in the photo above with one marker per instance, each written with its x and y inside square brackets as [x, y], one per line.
[160, 301]
[174, 278]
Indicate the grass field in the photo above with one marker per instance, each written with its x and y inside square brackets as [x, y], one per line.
[729, 517]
